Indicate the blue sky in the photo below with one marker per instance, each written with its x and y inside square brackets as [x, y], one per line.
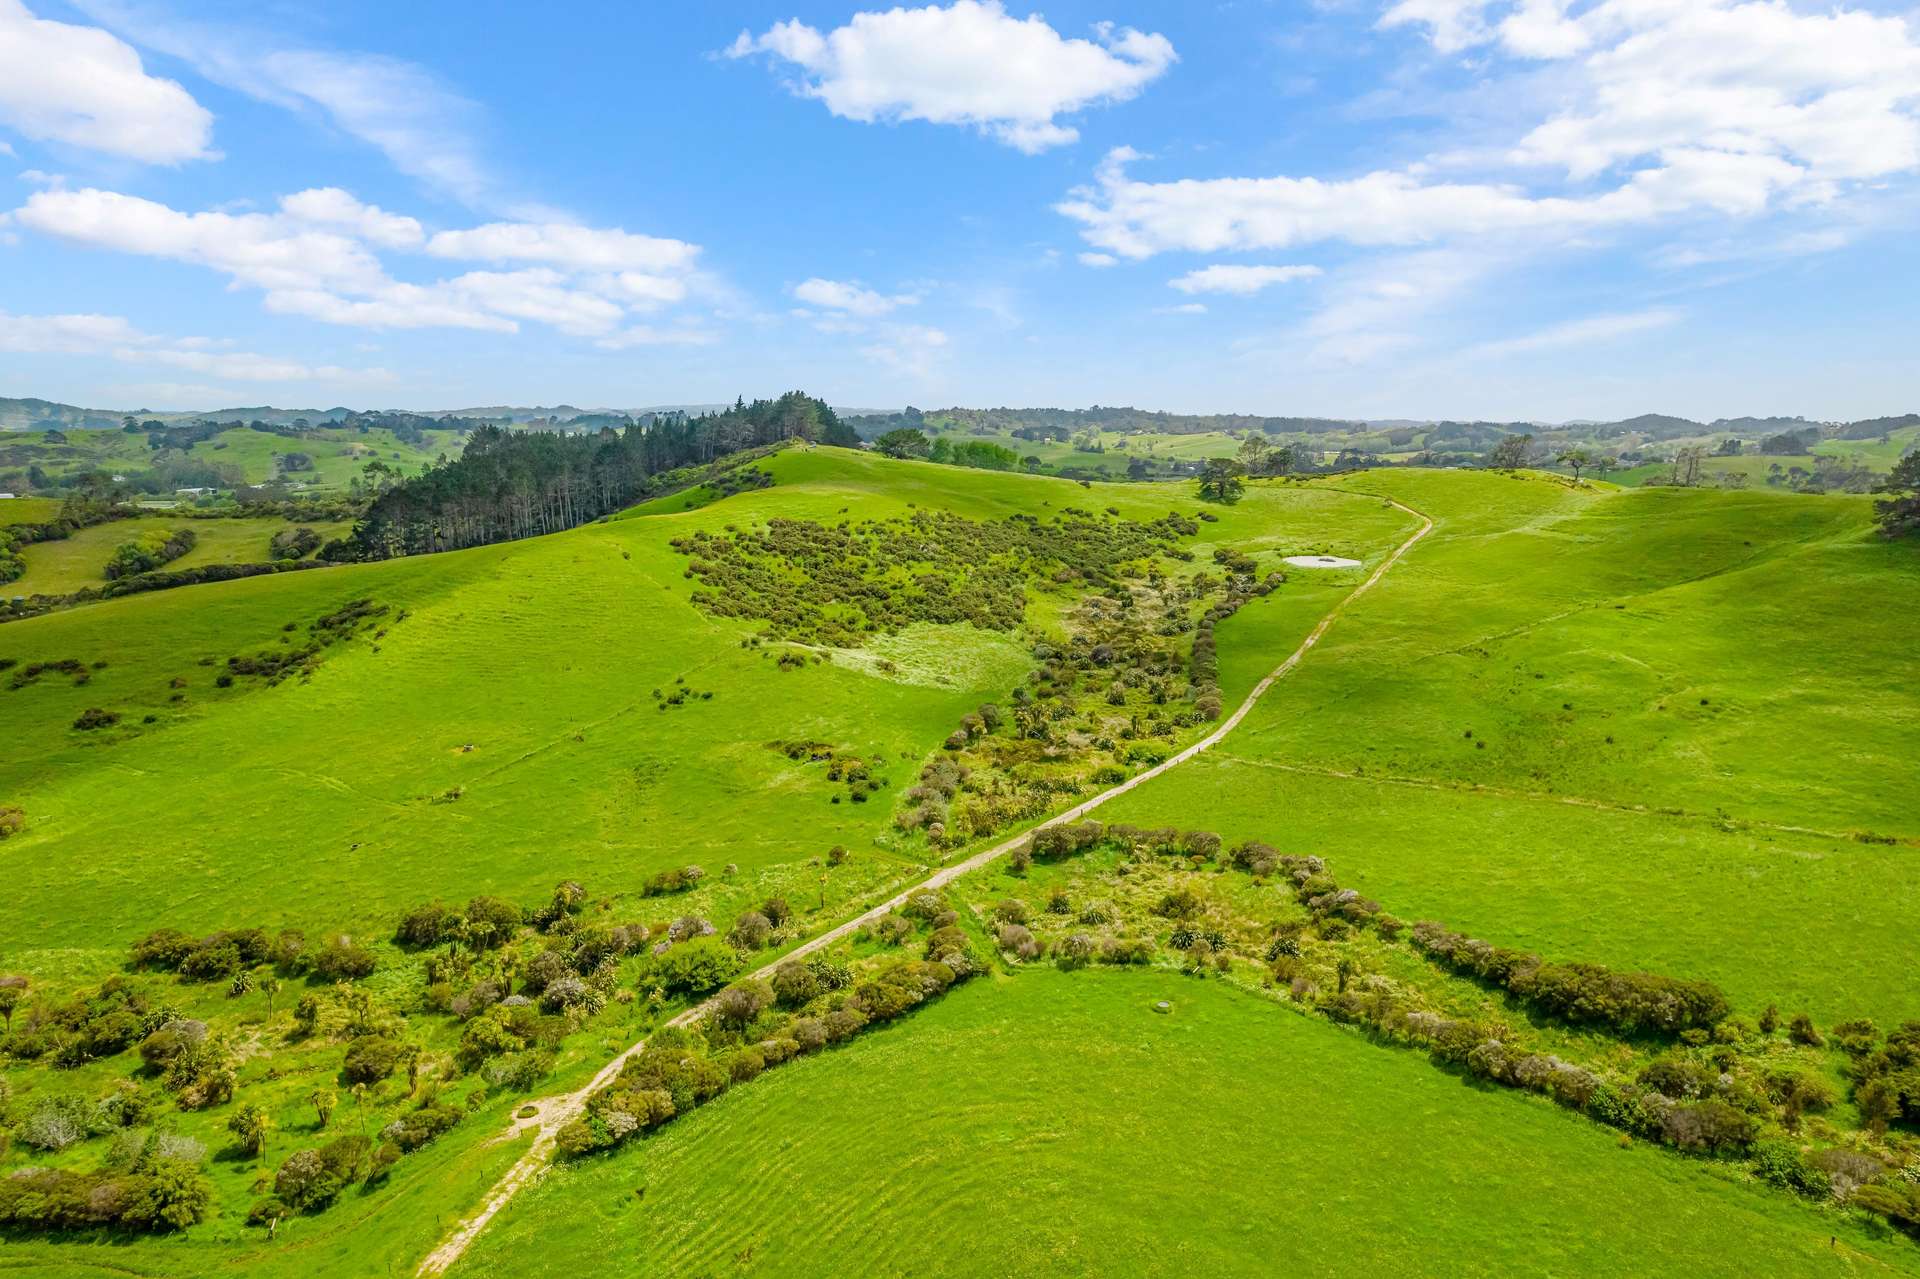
[1421, 208]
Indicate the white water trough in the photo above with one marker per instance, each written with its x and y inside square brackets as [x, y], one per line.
[1321, 561]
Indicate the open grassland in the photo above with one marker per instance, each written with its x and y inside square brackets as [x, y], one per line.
[1679, 704]
[338, 799]
[1611, 726]
[28, 510]
[67, 565]
[1100, 1138]
[338, 454]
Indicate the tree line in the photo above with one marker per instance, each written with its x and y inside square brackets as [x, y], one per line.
[513, 484]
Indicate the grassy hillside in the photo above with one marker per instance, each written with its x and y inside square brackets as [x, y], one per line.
[338, 454]
[542, 657]
[1634, 727]
[1615, 723]
[65, 566]
[1101, 1138]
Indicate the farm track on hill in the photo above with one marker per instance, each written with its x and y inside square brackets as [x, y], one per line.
[553, 1113]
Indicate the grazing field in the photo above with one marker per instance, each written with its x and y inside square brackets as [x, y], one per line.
[28, 510]
[1099, 1137]
[1653, 729]
[1601, 724]
[334, 455]
[524, 674]
[68, 565]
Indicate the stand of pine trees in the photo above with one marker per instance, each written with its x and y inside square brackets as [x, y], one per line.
[514, 484]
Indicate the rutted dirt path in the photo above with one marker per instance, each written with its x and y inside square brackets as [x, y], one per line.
[556, 1112]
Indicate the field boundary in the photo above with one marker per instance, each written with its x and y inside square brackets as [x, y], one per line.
[556, 1112]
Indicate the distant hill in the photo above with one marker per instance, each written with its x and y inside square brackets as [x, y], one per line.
[42, 415]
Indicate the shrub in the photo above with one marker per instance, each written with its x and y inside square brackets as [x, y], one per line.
[419, 1126]
[794, 984]
[342, 959]
[738, 1005]
[1783, 1164]
[371, 1058]
[312, 1178]
[426, 925]
[696, 967]
[166, 1194]
[751, 931]
[1710, 1126]
[1015, 940]
[491, 922]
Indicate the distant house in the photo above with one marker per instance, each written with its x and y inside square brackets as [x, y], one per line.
[199, 492]
[5, 497]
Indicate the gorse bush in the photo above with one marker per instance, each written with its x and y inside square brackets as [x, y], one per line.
[1629, 1003]
[149, 550]
[836, 585]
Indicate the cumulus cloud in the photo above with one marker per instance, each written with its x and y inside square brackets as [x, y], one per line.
[1703, 108]
[116, 338]
[80, 85]
[1836, 95]
[259, 249]
[315, 258]
[332, 207]
[1242, 281]
[1098, 261]
[968, 63]
[850, 298]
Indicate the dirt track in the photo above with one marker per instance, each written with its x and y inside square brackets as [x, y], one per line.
[555, 1112]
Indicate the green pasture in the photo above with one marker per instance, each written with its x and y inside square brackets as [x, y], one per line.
[504, 733]
[28, 510]
[64, 566]
[1656, 728]
[1055, 1124]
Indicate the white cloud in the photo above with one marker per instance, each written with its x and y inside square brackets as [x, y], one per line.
[391, 305]
[1727, 108]
[648, 335]
[1242, 281]
[1098, 261]
[912, 349]
[537, 294]
[1381, 306]
[564, 245]
[1134, 219]
[80, 85]
[1578, 333]
[332, 207]
[114, 337]
[850, 298]
[1451, 24]
[254, 248]
[313, 259]
[1184, 308]
[1834, 94]
[969, 63]
[425, 129]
